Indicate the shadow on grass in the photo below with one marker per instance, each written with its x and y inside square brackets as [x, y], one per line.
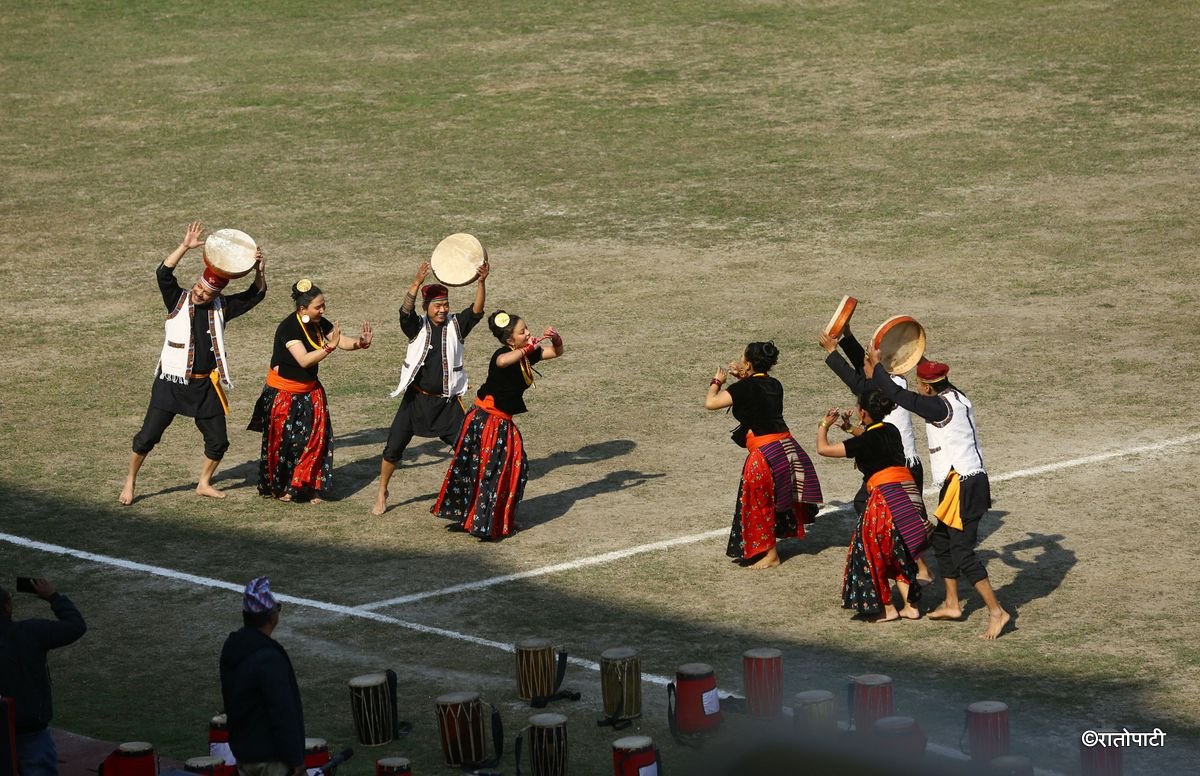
[102, 689]
[542, 509]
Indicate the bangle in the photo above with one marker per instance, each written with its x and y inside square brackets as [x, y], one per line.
[823, 424]
[328, 348]
[715, 382]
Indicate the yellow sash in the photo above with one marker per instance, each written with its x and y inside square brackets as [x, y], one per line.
[216, 381]
[948, 509]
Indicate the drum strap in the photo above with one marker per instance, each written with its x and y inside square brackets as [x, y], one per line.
[498, 744]
[850, 704]
[615, 719]
[400, 727]
[560, 672]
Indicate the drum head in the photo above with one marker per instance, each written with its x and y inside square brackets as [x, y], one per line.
[901, 343]
[872, 679]
[456, 260]
[312, 744]
[618, 653]
[534, 644]
[368, 680]
[809, 697]
[894, 725]
[219, 721]
[763, 653]
[230, 252]
[203, 762]
[547, 720]
[135, 747]
[452, 698]
[987, 707]
[841, 316]
[633, 743]
[695, 669]
[393, 762]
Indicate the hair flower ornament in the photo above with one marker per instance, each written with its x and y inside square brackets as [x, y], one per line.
[304, 285]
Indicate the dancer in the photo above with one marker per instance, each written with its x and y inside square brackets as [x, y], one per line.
[433, 379]
[956, 461]
[891, 529]
[855, 379]
[193, 368]
[486, 479]
[292, 413]
[779, 492]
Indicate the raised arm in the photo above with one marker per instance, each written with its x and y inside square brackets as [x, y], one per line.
[480, 287]
[191, 239]
[931, 408]
[69, 626]
[361, 342]
[854, 379]
[824, 447]
[717, 398]
[410, 322]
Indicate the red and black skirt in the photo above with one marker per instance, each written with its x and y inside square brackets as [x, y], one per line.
[878, 550]
[297, 446]
[486, 479]
[778, 495]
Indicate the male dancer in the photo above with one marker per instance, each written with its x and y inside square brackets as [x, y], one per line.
[956, 462]
[432, 378]
[193, 370]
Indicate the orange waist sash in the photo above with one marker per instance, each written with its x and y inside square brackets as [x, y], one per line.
[754, 442]
[892, 474]
[488, 405]
[291, 386]
[215, 379]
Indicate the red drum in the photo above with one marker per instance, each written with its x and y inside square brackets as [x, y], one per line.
[692, 702]
[135, 758]
[460, 721]
[815, 712]
[762, 674]
[316, 754]
[210, 766]
[1100, 759]
[870, 699]
[901, 736]
[987, 730]
[1010, 765]
[218, 745]
[393, 766]
[635, 756]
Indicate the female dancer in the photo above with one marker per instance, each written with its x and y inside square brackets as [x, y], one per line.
[291, 413]
[779, 492]
[891, 531]
[486, 479]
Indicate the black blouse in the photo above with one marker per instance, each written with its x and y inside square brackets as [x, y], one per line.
[879, 447]
[506, 385]
[291, 329]
[758, 404]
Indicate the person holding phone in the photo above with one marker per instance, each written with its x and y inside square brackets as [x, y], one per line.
[25, 675]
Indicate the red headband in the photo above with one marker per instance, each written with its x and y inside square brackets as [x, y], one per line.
[932, 371]
[212, 281]
[433, 292]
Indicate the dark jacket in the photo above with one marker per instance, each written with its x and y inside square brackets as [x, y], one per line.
[24, 675]
[262, 700]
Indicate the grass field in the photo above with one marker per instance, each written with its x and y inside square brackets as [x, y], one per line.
[663, 183]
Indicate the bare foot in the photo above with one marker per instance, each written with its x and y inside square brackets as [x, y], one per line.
[126, 497]
[209, 491]
[889, 615]
[286, 497]
[910, 613]
[944, 612]
[380, 505]
[768, 561]
[996, 623]
[315, 500]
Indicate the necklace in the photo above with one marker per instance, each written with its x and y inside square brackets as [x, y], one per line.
[320, 334]
[526, 368]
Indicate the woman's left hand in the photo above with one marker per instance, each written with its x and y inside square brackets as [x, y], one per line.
[364, 337]
[831, 417]
[721, 376]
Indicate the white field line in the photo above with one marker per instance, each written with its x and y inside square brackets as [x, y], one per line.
[628, 552]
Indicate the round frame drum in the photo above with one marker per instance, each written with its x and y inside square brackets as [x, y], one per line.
[871, 700]
[230, 253]
[371, 709]
[635, 756]
[547, 745]
[456, 260]
[762, 677]
[987, 730]
[460, 720]
[814, 712]
[901, 343]
[698, 706]
[841, 316]
[393, 766]
[535, 668]
[621, 682]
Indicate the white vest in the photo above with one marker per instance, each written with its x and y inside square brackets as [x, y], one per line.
[902, 420]
[178, 350]
[454, 375]
[954, 442]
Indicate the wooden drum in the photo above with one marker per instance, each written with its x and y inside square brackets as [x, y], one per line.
[901, 736]
[621, 683]
[535, 669]
[547, 745]
[693, 705]
[316, 755]
[133, 758]
[635, 756]
[460, 721]
[870, 699]
[372, 710]
[211, 766]
[393, 766]
[987, 730]
[814, 712]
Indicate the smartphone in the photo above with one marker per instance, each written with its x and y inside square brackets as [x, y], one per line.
[25, 585]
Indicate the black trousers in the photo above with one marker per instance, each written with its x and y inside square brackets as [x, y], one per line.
[216, 437]
[860, 498]
[954, 548]
[402, 432]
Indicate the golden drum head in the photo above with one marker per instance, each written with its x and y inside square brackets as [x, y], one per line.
[230, 253]
[456, 260]
[901, 343]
